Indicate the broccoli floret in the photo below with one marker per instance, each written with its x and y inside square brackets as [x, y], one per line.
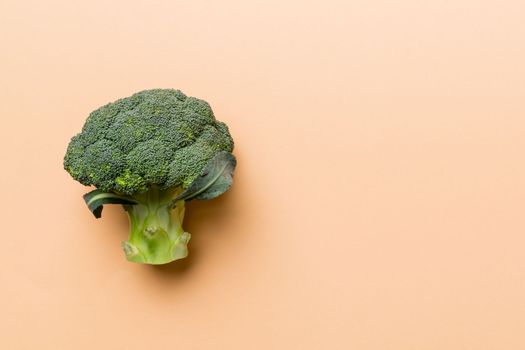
[151, 152]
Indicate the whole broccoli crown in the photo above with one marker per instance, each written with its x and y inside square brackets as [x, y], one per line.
[155, 137]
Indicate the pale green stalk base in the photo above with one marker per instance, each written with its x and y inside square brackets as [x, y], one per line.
[156, 234]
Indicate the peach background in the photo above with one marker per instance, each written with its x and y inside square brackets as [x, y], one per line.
[379, 199]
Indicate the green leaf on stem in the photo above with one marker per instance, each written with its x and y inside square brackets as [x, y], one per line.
[215, 179]
[96, 199]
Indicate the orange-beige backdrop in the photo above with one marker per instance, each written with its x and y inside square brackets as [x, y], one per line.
[379, 199]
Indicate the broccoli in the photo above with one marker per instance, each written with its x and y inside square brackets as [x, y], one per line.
[151, 152]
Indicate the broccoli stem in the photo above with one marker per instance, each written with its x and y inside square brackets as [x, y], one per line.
[156, 233]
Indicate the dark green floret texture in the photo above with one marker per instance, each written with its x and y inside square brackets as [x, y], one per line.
[151, 153]
[155, 137]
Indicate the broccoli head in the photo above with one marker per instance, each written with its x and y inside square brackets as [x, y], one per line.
[152, 152]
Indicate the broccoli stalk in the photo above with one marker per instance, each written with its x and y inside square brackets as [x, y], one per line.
[156, 234]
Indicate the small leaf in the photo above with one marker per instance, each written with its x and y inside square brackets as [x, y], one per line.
[216, 178]
[96, 199]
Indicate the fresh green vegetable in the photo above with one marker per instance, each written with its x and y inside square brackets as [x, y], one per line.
[152, 152]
